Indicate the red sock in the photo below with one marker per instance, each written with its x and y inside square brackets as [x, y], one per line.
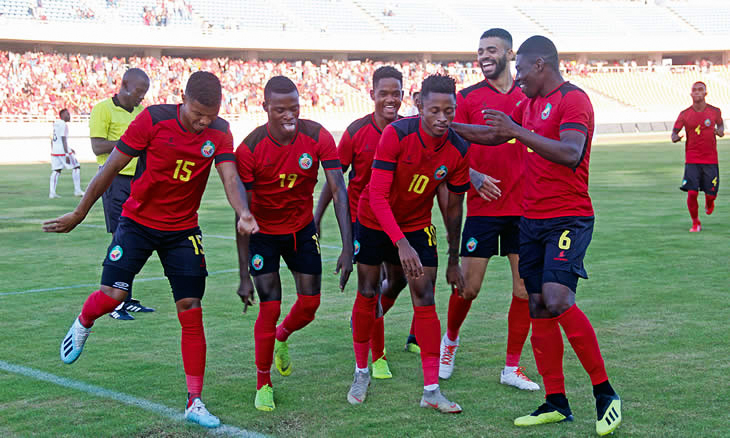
[363, 318]
[692, 206]
[428, 333]
[413, 326]
[264, 333]
[377, 341]
[96, 305]
[547, 346]
[458, 309]
[192, 344]
[518, 326]
[386, 303]
[301, 314]
[709, 203]
[583, 340]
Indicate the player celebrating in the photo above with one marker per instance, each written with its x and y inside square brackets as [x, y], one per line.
[701, 122]
[108, 121]
[62, 157]
[556, 123]
[178, 144]
[492, 226]
[279, 163]
[357, 149]
[414, 156]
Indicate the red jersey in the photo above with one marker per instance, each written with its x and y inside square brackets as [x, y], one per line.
[700, 147]
[281, 178]
[551, 189]
[505, 162]
[409, 165]
[357, 149]
[173, 166]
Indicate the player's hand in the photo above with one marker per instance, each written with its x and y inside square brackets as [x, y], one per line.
[245, 292]
[63, 224]
[485, 185]
[454, 277]
[500, 122]
[344, 268]
[318, 227]
[676, 137]
[68, 159]
[247, 223]
[409, 259]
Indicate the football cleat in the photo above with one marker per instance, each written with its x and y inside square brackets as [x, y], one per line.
[696, 228]
[136, 306]
[281, 357]
[446, 362]
[359, 388]
[709, 209]
[412, 345]
[79, 193]
[435, 400]
[73, 343]
[121, 315]
[265, 399]
[381, 370]
[518, 379]
[547, 413]
[197, 413]
[608, 409]
[53, 196]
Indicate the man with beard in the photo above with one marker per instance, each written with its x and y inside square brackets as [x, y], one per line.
[492, 226]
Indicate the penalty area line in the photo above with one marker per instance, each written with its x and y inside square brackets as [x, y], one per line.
[173, 414]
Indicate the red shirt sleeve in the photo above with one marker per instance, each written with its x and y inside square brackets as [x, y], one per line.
[345, 151]
[137, 136]
[459, 181]
[462, 110]
[386, 157]
[575, 111]
[245, 164]
[327, 151]
[224, 152]
[519, 111]
[680, 122]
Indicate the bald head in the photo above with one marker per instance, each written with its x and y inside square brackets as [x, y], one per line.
[135, 84]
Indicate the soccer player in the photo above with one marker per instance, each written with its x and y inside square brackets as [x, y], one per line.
[279, 163]
[414, 156]
[108, 121]
[357, 149]
[556, 123]
[492, 226]
[62, 157]
[177, 144]
[701, 123]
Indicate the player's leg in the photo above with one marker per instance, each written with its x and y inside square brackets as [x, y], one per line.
[392, 284]
[56, 166]
[691, 185]
[76, 174]
[710, 184]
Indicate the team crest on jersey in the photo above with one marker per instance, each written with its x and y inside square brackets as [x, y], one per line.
[257, 262]
[546, 112]
[471, 244]
[116, 253]
[708, 122]
[441, 172]
[208, 149]
[356, 244]
[305, 161]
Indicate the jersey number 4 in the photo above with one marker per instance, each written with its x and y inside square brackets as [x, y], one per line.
[182, 170]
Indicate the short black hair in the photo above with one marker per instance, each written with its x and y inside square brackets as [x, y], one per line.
[538, 46]
[498, 33]
[205, 88]
[387, 71]
[700, 83]
[279, 85]
[136, 73]
[60, 113]
[438, 83]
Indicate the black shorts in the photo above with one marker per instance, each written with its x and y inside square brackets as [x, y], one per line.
[373, 247]
[113, 199]
[556, 244]
[701, 177]
[300, 251]
[181, 253]
[486, 236]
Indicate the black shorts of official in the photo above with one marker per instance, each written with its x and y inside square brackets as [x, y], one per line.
[701, 177]
[300, 251]
[113, 199]
[487, 236]
[552, 250]
[181, 254]
[373, 247]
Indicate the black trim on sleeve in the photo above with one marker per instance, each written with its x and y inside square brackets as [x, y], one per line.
[457, 189]
[574, 126]
[224, 157]
[127, 150]
[248, 185]
[384, 165]
[331, 164]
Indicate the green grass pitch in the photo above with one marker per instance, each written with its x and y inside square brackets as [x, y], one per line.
[657, 297]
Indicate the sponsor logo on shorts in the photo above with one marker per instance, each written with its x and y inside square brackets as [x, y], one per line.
[121, 285]
[305, 161]
[257, 262]
[546, 112]
[471, 244]
[116, 253]
[684, 182]
[441, 172]
[356, 244]
[708, 122]
[561, 257]
[208, 149]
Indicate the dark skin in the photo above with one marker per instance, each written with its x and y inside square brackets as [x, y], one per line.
[130, 95]
[536, 78]
[194, 117]
[283, 115]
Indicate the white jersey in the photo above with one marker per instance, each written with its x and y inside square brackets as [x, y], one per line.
[60, 129]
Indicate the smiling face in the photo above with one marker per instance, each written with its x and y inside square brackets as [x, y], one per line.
[493, 55]
[528, 75]
[283, 112]
[387, 95]
[437, 112]
[195, 116]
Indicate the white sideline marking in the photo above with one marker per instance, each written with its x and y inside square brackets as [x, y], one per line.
[127, 399]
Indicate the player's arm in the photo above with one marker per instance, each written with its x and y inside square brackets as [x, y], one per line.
[454, 213]
[480, 134]
[720, 128]
[677, 127]
[485, 185]
[237, 198]
[442, 198]
[64, 142]
[345, 152]
[245, 286]
[98, 185]
[338, 192]
[99, 122]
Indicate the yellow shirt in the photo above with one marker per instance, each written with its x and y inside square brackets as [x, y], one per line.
[109, 120]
